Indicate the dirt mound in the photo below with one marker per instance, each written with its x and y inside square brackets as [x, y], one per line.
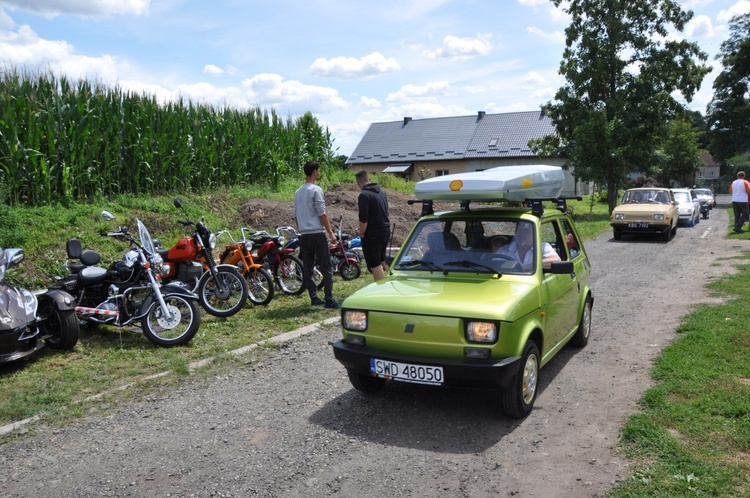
[341, 200]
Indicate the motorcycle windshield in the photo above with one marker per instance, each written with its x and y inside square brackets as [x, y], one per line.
[17, 307]
[146, 241]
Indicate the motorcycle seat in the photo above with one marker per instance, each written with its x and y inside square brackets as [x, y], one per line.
[91, 275]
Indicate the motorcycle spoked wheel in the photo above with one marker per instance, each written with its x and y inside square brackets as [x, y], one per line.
[177, 328]
[228, 302]
[350, 270]
[61, 326]
[260, 286]
[289, 275]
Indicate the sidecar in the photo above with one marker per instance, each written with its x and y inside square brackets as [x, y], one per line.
[30, 320]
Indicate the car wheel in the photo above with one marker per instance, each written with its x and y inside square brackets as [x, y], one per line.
[518, 399]
[617, 233]
[667, 234]
[581, 338]
[365, 383]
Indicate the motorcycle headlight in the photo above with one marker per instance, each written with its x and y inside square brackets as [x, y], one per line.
[212, 241]
[249, 245]
[130, 258]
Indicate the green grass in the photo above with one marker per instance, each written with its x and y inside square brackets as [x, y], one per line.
[692, 437]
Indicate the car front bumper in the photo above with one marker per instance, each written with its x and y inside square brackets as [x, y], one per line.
[641, 227]
[457, 373]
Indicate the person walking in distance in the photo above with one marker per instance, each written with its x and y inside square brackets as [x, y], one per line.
[312, 223]
[374, 225]
[740, 189]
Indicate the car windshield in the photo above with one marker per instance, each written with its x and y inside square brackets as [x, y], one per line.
[682, 197]
[645, 196]
[702, 191]
[494, 246]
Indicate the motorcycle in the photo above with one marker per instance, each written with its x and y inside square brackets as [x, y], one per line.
[238, 254]
[29, 320]
[276, 256]
[344, 261]
[221, 289]
[130, 290]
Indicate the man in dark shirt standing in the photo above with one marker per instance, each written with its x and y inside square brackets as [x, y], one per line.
[374, 225]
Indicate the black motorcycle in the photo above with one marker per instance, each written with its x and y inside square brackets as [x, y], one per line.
[29, 320]
[130, 290]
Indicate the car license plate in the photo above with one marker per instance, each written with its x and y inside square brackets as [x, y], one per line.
[404, 372]
[637, 225]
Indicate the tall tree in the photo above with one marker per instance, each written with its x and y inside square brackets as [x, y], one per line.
[621, 69]
[728, 112]
[680, 151]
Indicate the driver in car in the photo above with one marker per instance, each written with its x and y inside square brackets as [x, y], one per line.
[521, 248]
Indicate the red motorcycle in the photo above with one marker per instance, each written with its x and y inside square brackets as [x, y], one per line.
[221, 289]
[275, 254]
[344, 261]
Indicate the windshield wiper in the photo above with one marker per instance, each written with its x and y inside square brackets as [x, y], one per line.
[419, 262]
[471, 264]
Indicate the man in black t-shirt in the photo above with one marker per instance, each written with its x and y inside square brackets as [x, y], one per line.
[374, 225]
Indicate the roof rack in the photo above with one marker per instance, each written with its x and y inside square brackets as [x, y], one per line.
[536, 206]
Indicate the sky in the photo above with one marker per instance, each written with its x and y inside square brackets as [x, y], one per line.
[349, 62]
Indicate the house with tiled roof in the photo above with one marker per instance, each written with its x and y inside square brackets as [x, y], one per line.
[420, 148]
[708, 172]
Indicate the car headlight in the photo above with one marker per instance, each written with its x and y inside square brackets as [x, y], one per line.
[619, 216]
[481, 332]
[354, 320]
[658, 217]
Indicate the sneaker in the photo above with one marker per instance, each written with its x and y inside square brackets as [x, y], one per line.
[333, 305]
[316, 301]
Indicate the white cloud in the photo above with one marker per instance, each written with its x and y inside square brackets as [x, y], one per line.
[533, 79]
[23, 48]
[350, 68]
[272, 90]
[556, 37]
[213, 70]
[96, 8]
[739, 8]
[5, 20]
[369, 103]
[700, 27]
[457, 48]
[533, 3]
[410, 93]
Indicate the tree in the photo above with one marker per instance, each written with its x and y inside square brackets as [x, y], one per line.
[728, 112]
[621, 70]
[680, 152]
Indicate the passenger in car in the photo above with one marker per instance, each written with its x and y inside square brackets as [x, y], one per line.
[521, 248]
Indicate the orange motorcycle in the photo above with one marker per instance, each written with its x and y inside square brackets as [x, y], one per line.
[238, 254]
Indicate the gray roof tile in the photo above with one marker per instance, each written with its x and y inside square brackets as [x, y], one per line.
[453, 137]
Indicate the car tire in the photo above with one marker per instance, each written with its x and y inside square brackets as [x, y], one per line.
[617, 233]
[581, 337]
[666, 235]
[518, 399]
[365, 383]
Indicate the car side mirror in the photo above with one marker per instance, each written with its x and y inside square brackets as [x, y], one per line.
[560, 268]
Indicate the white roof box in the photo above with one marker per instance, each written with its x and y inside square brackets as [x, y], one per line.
[513, 183]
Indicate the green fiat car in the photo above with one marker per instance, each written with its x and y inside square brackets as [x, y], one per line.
[479, 297]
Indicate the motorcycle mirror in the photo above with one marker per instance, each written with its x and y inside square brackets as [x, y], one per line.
[177, 202]
[108, 216]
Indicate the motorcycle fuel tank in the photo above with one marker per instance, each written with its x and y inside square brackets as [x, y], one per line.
[184, 250]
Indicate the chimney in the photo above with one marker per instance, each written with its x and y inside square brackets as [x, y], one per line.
[406, 120]
[480, 115]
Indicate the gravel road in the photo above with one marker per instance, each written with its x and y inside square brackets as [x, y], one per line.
[289, 424]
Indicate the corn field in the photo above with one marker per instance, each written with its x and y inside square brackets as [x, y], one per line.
[63, 140]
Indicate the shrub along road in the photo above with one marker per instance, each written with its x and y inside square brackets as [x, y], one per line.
[289, 423]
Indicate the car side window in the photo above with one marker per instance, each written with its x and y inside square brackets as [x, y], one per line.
[571, 241]
[551, 235]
